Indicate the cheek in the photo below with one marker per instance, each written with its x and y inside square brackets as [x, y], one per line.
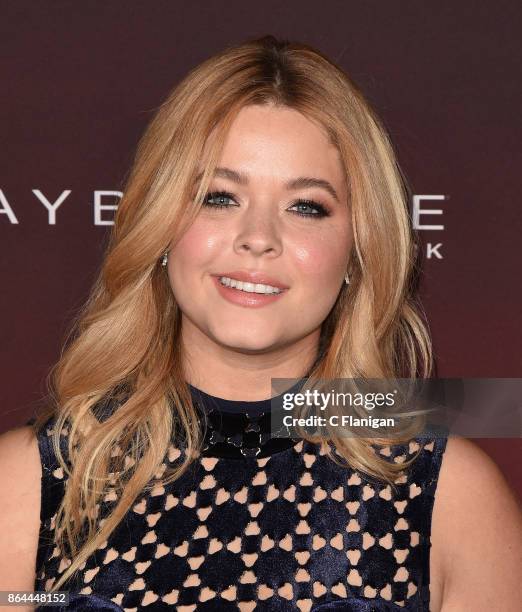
[322, 259]
[196, 250]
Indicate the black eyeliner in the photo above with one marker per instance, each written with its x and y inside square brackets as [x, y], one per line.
[323, 211]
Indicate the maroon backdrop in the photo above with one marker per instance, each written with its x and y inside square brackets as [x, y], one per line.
[80, 81]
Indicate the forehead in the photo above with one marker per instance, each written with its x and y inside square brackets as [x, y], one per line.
[274, 141]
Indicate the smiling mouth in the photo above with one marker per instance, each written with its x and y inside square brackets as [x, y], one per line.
[248, 287]
[248, 295]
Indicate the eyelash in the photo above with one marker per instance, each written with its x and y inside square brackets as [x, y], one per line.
[323, 212]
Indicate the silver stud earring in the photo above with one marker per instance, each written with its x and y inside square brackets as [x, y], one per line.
[164, 259]
[347, 279]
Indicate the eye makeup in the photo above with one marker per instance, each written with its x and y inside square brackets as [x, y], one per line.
[321, 210]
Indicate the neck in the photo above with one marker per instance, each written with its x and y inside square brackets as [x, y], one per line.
[241, 375]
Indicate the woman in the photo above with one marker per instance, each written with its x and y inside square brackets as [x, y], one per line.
[263, 234]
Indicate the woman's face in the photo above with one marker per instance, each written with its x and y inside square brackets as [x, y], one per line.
[258, 230]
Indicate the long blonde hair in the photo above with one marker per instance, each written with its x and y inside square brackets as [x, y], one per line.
[127, 336]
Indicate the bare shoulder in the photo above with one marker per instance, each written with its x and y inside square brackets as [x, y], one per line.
[476, 533]
[20, 494]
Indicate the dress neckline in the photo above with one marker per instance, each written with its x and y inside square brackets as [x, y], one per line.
[239, 429]
[254, 407]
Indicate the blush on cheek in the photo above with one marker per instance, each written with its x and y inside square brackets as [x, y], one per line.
[320, 263]
[198, 248]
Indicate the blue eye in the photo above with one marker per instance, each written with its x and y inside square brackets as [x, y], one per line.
[321, 210]
[218, 195]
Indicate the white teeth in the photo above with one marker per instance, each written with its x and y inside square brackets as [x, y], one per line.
[248, 287]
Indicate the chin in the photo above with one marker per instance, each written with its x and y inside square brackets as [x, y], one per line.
[242, 340]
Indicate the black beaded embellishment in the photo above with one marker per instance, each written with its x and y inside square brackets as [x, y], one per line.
[240, 434]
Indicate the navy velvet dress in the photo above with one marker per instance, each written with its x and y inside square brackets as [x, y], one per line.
[273, 525]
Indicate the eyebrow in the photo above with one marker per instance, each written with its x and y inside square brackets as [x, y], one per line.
[301, 182]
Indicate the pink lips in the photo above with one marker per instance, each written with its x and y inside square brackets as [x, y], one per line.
[253, 276]
[244, 298]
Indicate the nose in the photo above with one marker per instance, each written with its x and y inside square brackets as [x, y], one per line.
[258, 232]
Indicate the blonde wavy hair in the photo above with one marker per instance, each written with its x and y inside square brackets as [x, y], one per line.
[127, 336]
